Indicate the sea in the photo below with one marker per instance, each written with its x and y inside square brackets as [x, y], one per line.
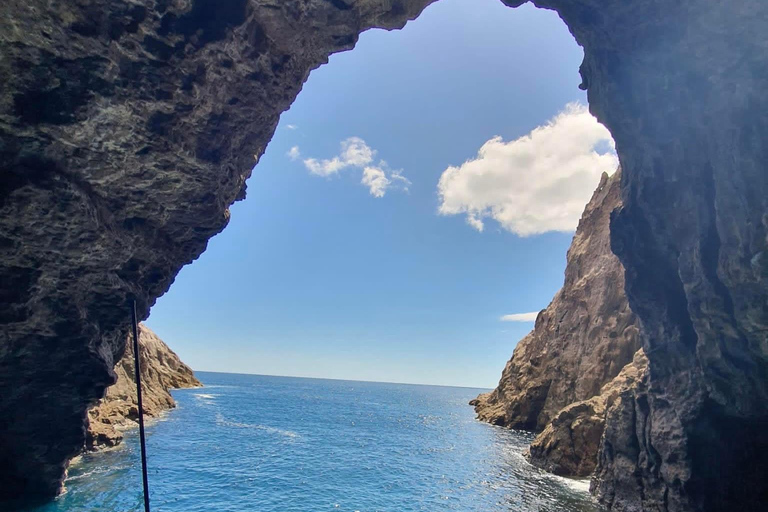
[250, 443]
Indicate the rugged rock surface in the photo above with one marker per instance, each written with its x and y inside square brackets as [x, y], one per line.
[693, 238]
[161, 371]
[127, 128]
[570, 443]
[583, 338]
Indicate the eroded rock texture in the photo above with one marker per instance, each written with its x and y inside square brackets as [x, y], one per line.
[161, 371]
[583, 338]
[681, 86]
[570, 443]
[127, 128]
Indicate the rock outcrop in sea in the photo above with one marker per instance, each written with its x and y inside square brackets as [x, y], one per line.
[580, 343]
[582, 340]
[128, 128]
[161, 371]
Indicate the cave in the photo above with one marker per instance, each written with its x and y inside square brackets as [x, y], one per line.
[129, 128]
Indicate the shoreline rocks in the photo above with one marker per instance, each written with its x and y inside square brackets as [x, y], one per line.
[585, 349]
[570, 443]
[161, 371]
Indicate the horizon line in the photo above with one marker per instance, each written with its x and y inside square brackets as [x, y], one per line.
[344, 380]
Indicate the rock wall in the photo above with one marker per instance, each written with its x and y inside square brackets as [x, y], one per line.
[161, 371]
[127, 128]
[570, 443]
[681, 94]
[582, 340]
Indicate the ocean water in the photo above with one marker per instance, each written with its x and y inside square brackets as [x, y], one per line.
[277, 444]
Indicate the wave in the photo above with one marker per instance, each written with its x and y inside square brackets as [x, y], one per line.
[576, 484]
[222, 421]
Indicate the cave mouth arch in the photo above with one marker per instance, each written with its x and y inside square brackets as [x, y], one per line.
[141, 105]
[382, 234]
[329, 97]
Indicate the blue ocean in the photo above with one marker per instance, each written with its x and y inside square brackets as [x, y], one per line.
[278, 444]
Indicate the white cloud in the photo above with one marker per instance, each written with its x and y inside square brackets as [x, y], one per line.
[376, 181]
[537, 183]
[520, 317]
[291, 126]
[356, 154]
[398, 179]
[474, 221]
[294, 153]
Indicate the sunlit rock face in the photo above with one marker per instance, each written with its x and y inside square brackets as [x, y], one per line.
[566, 373]
[161, 371]
[582, 340]
[128, 128]
[570, 443]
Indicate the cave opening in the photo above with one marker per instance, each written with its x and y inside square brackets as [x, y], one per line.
[360, 256]
[302, 228]
[406, 224]
[139, 125]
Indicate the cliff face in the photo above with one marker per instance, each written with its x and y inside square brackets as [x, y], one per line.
[582, 340]
[570, 443]
[161, 371]
[127, 128]
[692, 235]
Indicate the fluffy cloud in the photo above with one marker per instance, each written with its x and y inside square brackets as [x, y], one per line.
[294, 153]
[356, 154]
[520, 317]
[376, 181]
[291, 126]
[537, 183]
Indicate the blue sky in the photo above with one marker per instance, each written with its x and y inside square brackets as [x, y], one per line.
[324, 274]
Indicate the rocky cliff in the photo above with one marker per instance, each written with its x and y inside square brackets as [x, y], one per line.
[570, 443]
[582, 340]
[128, 127]
[161, 371]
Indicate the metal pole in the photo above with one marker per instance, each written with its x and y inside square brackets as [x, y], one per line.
[141, 407]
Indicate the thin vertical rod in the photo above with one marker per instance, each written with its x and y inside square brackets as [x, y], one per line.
[137, 368]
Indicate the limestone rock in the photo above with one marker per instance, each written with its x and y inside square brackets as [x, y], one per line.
[583, 338]
[161, 371]
[569, 444]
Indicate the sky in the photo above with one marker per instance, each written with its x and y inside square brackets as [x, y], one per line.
[412, 212]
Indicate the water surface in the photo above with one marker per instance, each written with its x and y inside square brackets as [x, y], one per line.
[279, 444]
